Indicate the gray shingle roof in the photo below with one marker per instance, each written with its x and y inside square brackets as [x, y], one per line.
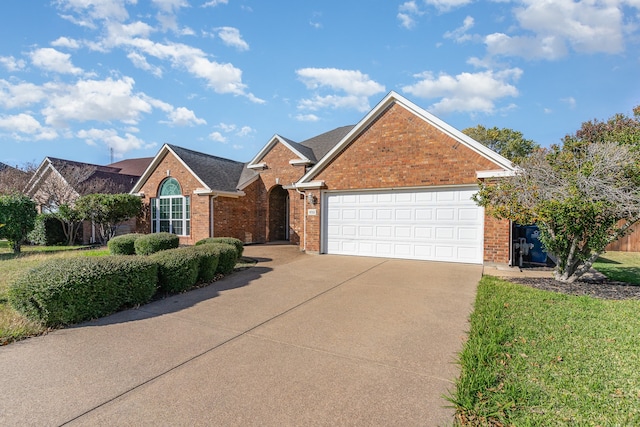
[323, 143]
[216, 172]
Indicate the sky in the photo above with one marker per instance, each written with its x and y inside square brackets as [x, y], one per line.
[96, 80]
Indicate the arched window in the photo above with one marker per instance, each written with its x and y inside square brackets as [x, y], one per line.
[171, 211]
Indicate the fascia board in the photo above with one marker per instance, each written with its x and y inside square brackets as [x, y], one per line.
[208, 192]
[272, 142]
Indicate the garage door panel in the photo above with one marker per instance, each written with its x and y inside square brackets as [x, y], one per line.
[442, 225]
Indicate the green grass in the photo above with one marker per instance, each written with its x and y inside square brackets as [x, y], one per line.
[538, 358]
[620, 266]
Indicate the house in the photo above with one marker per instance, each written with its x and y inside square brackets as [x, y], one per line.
[397, 184]
[57, 181]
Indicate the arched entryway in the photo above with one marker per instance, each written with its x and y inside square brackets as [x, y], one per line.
[278, 214]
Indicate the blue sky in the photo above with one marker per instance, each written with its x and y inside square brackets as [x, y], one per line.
[81, 77]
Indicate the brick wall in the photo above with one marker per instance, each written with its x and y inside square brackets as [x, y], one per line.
[401, 150]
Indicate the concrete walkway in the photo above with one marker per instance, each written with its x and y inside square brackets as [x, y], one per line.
[297, 340]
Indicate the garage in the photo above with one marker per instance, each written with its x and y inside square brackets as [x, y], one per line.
[426, 224]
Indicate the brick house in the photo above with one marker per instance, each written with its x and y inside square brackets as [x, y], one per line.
[397, 184]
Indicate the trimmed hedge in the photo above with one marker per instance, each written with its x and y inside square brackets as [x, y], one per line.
[79, 289]
[124, 244]
[209, 257]
[239, 245]
[178, 269]
[228, 256]
[149, 244]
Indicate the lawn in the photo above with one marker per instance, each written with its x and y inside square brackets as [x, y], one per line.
[620, 266]
[541, 358]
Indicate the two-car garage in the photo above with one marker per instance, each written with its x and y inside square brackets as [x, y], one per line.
[441, 224]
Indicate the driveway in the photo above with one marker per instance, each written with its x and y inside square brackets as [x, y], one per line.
[296, 340]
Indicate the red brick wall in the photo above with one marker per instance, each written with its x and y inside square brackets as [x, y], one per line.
[401, 150]
[496, 240]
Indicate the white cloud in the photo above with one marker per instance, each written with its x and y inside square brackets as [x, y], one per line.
[570, 101]
[11, 63]
[26, 124]
[182, 116]
[110, 138]
[99, 100]
[218, 137]
[170, 6]
[65, 42]
[560, 25]
[466, 92]
[50, 59]
[245, 131]
[407, 12]
[20, 95]
[460, 34]
[447, 5]
[95, 9]
[214, 3]
[139, 61]
[231, 37]
[307, 118]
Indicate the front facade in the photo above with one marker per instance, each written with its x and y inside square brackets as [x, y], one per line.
[397, 184]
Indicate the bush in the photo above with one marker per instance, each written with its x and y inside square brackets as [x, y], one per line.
[228, 240]
[177, 269]
[152, 243]
[228, 256]
[78, 289]
[209, 257]
[47, 231]
[123, 245]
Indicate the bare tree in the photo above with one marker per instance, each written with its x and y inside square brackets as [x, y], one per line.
[14, 180]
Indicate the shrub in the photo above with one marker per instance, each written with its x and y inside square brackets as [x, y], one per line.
[228, 240]
[152, 243]
[177, 269]
[47, 231]
[123, 245]
[208, 256]
[78, 289]
[228, 256]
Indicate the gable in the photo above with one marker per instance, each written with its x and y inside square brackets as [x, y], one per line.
[400, 149]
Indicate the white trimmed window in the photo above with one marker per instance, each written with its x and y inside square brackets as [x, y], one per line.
[171, 211]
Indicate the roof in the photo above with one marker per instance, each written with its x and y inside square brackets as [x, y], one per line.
[132, 166]
[322, 144]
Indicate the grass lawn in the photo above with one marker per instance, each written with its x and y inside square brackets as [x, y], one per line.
[541, 358]
[620, 266]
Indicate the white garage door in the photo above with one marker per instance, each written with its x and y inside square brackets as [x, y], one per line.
[435, 225]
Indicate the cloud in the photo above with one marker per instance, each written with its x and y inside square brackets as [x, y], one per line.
[140, 61]
[218, 137]
[65, 42]
[358, 87]
[12, 64]
[245, 131]
[214, 3]
[91, 10]
[20, 95]
[460, 35]
[562, 25]
[94, 100]
[182, 116]
[26, 124]
[407, 12]
[466, 92]
[447, 5]
[50, 59]
[570, 101]
[110, 138]
[231, 37]
[307, 118]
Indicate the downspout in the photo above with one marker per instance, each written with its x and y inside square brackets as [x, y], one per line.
[304, 217]
[211, 218]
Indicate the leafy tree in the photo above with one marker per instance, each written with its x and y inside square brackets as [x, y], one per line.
[107, 211]
[506, 142]
[70, 220]
[18, 214]
[583, 194]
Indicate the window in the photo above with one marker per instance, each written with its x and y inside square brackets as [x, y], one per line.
[171, 211]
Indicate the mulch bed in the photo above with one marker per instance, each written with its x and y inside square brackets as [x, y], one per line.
[598, 287]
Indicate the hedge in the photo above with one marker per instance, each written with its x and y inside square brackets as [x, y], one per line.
[124, 244]
[156, 242]
[228, 240]
[209, 257]
[79, 289]
[178, 269]
[47, 231]
[228, 256]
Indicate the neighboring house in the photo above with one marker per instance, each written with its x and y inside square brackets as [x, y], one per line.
[397, 184]
[58, 181]
[12, 179]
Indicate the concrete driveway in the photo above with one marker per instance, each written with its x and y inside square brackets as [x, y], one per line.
[297, 340]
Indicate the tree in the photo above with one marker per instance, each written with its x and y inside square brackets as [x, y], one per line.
[107, 211]
[70, 220]
[506, 142]
[583, 195]
[14, 180]
[18, 214]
